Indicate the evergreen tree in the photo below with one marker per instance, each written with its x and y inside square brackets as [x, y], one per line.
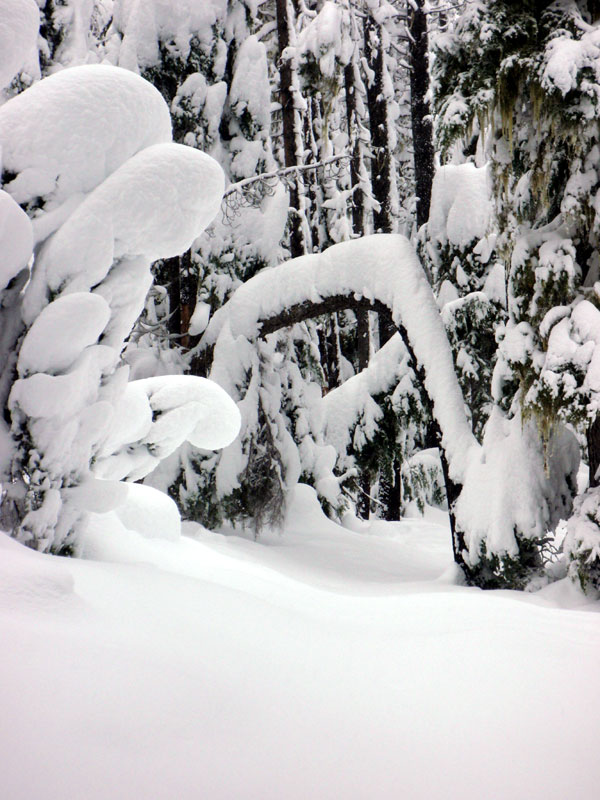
[524, 91]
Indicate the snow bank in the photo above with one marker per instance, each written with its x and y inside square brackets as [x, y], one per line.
[29, 579]
[16, 239]
[65, 134]
[319, 664]
[149, 512]
[19, 24]
[382, 267]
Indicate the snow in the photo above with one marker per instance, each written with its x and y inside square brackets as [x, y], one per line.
[153, 206]
[566, 58]
[62, 331]
[461, 205]
[16, 239]
[344, 405]
[327, 38]
[19, 24]
[154, 416]
[68, 132]
[249, 91]
[381, 267]
[317, 664]
[149, 512]
[509, 487]
[145, 23]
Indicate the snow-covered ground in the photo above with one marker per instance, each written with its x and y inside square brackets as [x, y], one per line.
[320, 664]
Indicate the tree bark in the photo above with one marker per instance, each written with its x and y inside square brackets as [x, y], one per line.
[422, 126]
[288, 113]
[381, 180]
[593, 443]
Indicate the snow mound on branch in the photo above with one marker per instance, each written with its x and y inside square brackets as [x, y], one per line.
[344, 405]
[382, 267]
[62, 331]
[65, 134]
[249, 91]
[324, 38]
[567, 57]
[16, 239]
[63, 396]
[156, 415]
[19, 25]
[461, 204]
[154, 206]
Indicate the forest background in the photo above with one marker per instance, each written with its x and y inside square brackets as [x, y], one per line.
[470, 129]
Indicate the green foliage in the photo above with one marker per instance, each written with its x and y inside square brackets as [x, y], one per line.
[501, 571]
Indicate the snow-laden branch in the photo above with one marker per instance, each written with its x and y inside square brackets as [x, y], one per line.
[381, 269]
[252, 191]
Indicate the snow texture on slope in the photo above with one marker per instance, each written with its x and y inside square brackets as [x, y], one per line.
[319, 664]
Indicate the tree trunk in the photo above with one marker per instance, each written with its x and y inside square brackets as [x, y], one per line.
[422, 126]
[288, 112]
[381, 160]
[593, 443]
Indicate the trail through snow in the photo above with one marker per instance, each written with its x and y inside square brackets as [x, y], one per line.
[319, 664]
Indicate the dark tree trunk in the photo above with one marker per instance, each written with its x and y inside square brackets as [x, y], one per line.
[168, 275]
[422, 126]
[358, 205]
[188, 289]
[381, 159]
[593, 443]
[288, 112]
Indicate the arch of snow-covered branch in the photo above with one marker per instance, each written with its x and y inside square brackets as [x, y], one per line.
[378, 271]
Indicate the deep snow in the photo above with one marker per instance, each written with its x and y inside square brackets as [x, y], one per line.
[319, 664]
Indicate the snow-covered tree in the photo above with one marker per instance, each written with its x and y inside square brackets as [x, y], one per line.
[103, 208]
[526, 91]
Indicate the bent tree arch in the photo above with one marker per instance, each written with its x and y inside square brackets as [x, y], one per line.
[378, 273]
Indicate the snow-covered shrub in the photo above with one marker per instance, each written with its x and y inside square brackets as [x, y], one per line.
[582, 542]
[514, 492]
[105, 208]
[377, 420]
